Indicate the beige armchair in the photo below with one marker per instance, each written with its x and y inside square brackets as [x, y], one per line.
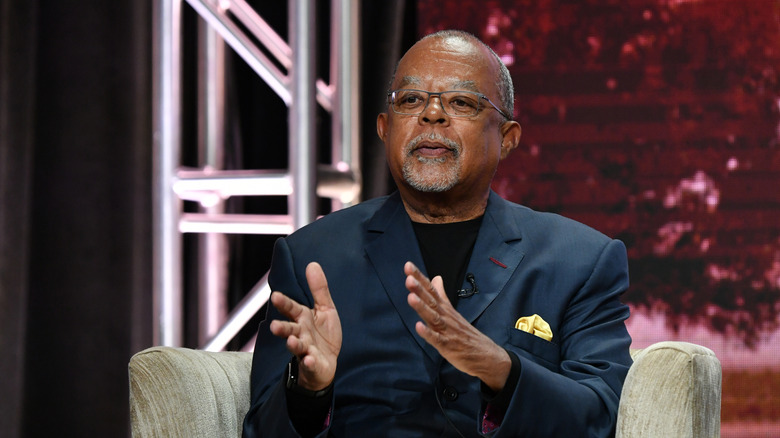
[673, 389]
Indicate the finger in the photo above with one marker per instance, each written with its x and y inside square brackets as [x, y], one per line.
[284, 329]
[309, 362]
[430, 317]
[419, 284]
[286, 306]
[428, 335]
[318, 284]
[435, 288]
[420, 298]
[438, 284]
[410, 269]
[425, 292]
[297, 347]
[422, 330]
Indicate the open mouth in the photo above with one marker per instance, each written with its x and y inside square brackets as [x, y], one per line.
[432, 150]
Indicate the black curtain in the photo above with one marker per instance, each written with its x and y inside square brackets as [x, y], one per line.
[75, 213]
[17, 55]
[75, 201]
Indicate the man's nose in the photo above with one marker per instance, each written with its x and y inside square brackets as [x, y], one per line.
[434, 111]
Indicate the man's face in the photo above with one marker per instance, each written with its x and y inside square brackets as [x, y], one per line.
[434, 151]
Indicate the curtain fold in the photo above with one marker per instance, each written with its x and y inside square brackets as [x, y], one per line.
[17, 74]
[74, 213]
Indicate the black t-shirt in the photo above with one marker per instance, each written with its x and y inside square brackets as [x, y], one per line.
[446, 250]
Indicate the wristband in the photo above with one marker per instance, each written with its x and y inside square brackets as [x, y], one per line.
[292, 381]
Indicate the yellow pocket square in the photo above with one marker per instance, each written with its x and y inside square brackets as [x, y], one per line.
[535, 325]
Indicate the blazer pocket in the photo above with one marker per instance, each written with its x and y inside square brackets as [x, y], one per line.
[534, 348]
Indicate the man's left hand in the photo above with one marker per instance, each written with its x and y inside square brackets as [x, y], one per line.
[459, 342]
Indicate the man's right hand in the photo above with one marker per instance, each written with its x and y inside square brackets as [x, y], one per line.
[313, 335]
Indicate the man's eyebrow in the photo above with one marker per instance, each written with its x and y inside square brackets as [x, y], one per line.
[409, 80]
[466, 85]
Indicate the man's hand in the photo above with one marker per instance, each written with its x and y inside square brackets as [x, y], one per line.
[465, 347]
[313, 335]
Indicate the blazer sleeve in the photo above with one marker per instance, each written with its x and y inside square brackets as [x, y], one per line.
[267, 415]
[581, 399]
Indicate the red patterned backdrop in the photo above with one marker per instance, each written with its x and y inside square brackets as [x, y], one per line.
[658, 122]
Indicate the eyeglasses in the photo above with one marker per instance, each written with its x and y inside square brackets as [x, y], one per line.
[453, 103]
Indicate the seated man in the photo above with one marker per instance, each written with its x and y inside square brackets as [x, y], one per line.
[521, 330]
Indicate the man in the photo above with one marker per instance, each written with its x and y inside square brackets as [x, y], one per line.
[520, 332]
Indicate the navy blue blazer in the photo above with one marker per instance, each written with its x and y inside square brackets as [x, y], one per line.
[390, 382]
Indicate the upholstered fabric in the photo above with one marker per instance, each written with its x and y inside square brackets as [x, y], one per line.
[672, 390]
[178, 392]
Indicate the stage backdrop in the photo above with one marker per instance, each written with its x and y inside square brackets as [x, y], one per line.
[656, 122]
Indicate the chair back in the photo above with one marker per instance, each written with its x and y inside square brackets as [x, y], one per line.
[179, 392]
[672, 389]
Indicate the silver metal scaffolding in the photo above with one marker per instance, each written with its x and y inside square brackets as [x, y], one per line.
[235, 24]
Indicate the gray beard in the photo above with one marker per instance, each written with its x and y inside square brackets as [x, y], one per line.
[432, 175]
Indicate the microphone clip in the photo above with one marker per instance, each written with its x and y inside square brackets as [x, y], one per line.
[467, 293]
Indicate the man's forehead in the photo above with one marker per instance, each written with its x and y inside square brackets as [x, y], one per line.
[454, 52]
[465, 62]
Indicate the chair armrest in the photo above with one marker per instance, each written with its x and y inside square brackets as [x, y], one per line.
[179, 392]
[672, 389]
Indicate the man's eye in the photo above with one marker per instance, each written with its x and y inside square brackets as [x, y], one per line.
[411, 99]
[463, 102]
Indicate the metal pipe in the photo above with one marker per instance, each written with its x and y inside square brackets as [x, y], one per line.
[233, 183]
[261, 30]
[345, 80]
[212, 97]
[332, 182]
[351, 62]
[236, 224]
[337, 81]
[213, 248]
[302, 150]
[244, 47]
[167, 265]
[244, 311]
[255, 24]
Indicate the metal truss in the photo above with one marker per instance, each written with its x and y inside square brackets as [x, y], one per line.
[234, 23]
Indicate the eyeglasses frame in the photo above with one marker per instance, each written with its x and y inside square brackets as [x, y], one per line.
[432, 94]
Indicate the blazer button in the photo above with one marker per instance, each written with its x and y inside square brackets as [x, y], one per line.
[450, 393]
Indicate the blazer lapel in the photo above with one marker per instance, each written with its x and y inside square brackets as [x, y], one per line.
[494, 259]
[391, 244]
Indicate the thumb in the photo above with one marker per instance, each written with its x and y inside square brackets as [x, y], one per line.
[438, 286]
[318, 285]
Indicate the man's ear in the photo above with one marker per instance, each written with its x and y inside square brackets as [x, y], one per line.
[510, 137]
[381, 126]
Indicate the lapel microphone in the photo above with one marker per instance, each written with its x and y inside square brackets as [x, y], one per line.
[467, 293]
